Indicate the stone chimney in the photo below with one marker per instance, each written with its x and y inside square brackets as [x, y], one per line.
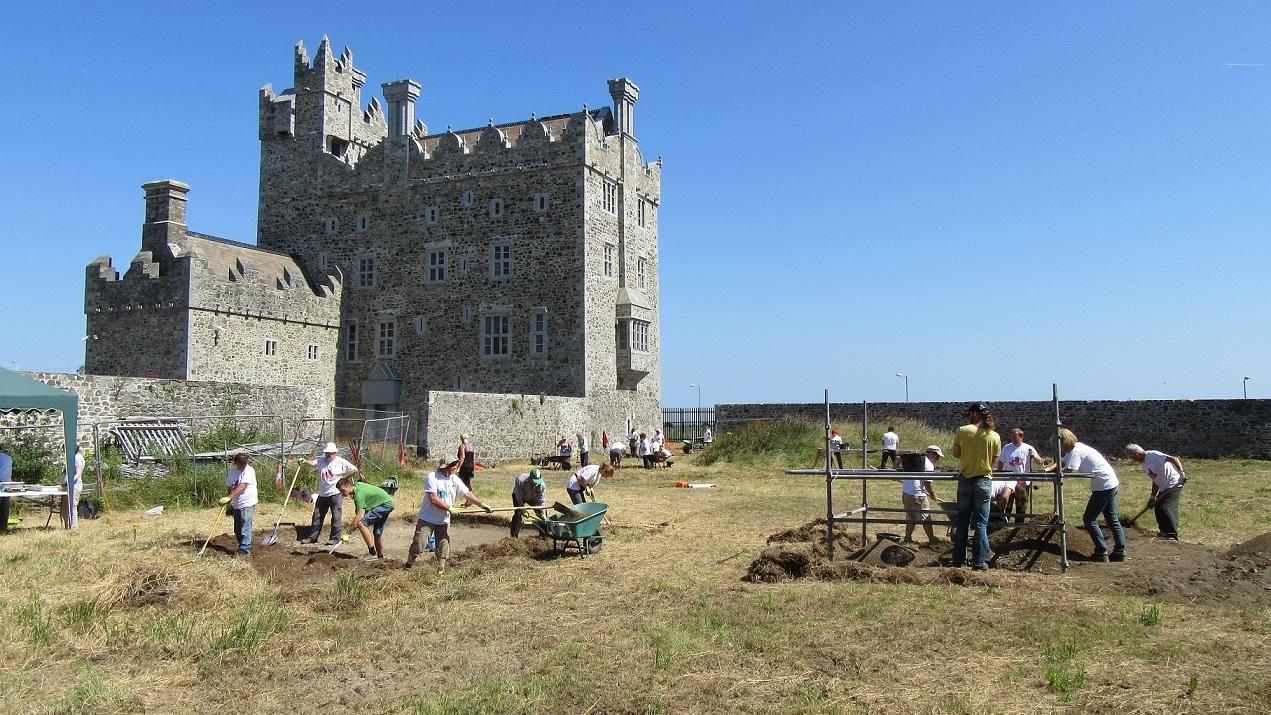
[165, 216]
[624, 93]
[401, 96]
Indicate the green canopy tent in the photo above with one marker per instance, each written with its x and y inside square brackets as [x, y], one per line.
[18, 392]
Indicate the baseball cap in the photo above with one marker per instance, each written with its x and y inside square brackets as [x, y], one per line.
[936, 449]
[536, 476]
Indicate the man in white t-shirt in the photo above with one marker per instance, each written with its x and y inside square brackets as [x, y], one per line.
[617, 451]
[836, 444]
[917, 495]
[240, 487]
[581, 482]
[1019, 457]
[442, 492]
[1104, 488]
[331, 468]
[584, 449]
[1168, 478]
[891, 444]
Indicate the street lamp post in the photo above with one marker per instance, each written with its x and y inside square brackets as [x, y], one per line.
[901, 374]
[1245, 385]
[699, 395]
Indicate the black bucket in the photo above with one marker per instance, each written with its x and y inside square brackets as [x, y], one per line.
[913, 461]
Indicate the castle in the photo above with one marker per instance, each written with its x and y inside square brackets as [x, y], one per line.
[501, 280]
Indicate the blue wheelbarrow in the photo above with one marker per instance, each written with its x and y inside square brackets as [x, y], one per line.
[582, 533]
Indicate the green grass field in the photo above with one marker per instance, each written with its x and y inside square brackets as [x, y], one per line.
[119, 617]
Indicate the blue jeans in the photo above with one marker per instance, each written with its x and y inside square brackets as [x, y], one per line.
[243, 528]
[376, 518]
[1104, 502]
[974, 495]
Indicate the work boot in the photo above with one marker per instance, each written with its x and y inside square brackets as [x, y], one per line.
[1117, 556]
[1100, 557]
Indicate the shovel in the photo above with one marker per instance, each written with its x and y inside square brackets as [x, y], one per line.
[592, 496]
[502, 508]
[344, 538]
[220, 509]
[273, 538]
[1136, 516]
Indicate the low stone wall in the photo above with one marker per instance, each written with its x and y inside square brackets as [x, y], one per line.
[1187, 428]
[514, 427]
[104, 398]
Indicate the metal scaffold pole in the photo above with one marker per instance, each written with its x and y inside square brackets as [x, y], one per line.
[829, 485]
[1059, 480]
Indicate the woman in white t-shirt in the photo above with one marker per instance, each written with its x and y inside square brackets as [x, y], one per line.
[1104, 488]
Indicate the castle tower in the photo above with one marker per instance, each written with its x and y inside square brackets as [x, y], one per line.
[401, 96]
[328, 96]
[625, 93]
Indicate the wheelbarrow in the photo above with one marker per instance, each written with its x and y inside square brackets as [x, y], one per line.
[582, 534]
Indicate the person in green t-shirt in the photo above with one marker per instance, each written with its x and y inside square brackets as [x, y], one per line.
[373, 507]
[977, 445]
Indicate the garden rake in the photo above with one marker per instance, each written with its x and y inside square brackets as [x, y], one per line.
[220, 509]
[273, 538]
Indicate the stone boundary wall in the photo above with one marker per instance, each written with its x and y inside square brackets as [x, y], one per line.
[1187, 428]
[506, 427]
[104, 398]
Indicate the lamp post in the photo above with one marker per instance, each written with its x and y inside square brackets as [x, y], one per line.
[699, 395]
[1245, 385]
[901, 374]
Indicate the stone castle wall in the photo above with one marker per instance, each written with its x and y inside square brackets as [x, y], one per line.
[105, 398]
[1187, 428]
[514, 427]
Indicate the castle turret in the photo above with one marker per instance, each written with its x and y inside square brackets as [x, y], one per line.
[624, 93]
[165, 217]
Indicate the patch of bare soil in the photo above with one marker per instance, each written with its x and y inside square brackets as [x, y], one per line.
[1160, 569]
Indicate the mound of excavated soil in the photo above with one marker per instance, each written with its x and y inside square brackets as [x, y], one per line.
[1159, 569]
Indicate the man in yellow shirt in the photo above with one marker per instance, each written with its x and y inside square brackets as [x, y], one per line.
[977, 445]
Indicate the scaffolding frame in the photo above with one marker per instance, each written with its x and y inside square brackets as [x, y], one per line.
[861, 515]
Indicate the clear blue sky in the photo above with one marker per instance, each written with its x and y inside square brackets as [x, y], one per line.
[989, 198]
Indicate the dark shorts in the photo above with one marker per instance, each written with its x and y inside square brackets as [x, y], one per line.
[377, 518]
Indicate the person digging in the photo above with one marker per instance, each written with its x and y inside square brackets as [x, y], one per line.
[442, 492]
[1168, 478]
[528, 490]
[373, 507]
[917, 495]
[331, 468]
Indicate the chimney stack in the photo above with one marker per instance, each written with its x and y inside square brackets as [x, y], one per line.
[624, 93]
[401, 96]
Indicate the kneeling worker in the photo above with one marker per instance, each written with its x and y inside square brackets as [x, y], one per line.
[582, 481]
[373, 506]
[528, 490]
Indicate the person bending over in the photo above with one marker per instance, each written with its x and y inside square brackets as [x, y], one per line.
[1168, 478]
[373, 506]
[1104, 488]
[581, 482]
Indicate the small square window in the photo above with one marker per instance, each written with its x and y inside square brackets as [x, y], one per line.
[431, 214]
[330, 224]
[386, 340]
[496, 334]
[271, 348]
[610, 250]
[436, 267]
[496, 208]
[313, 352]
[540, 202]
[363, 223]
[467, 198]
[366, 272]
[501, 260]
